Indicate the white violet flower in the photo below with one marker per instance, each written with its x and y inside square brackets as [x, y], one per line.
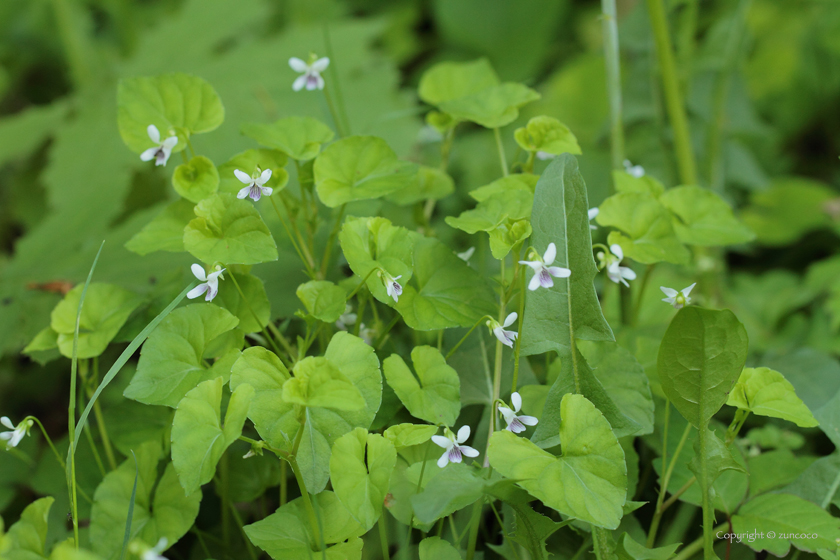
[615, 272]
[593, 213]
[677, 299]
[154, 552]
[17, 433]
[162, 151]
[210, 282]
[392, 287]
[505, 337]
[516, 423]
[543, 272]
[466, 255]
[255, 184]
[311, 78]
[636, 171]
[347, 319]
[452, 446]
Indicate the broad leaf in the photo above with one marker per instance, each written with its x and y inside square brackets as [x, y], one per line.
[319, 383]
[230, 231]
[284, 535]
[517, 182]
[435, 548]
[430, 183]
[360, 168]
[766, 392]
[180, 104]
[254, 310]
[27, 537]
[360, 470]
[106, 309]
[452, 489]
[703, 218]
[274, 419]
[492, 107]
[165, 232]
[407, 435]
[588, 481]
[700, 358]
[817, 483]
[446, 81]
[492, 211]
[168, 514]
[199, 439]
[435, 394]
[371, 245]
[448, 293]
[249, 162]
[626, 183]
[323, 300]
[628, 549]
[786, 514]
[172, 359]
[718, 459]
[197, 179]
[548, 135]
[787, 210]
[357, 362]
[298, 137]
[647, 232]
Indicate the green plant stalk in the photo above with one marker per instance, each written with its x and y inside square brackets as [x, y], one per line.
[300, 247]
[307, 501]
[708, 510]
[383, 536]
[251, 552]
[475, 518]
[334, 72]
[96, 457]
[832, 490]
[325, 261]
[500, 147]
[612, 59]
[445, 150]
[254, 314]
[583, 546]
[642, 288]
[463, 338]
[284, 483]
[417, 491]
[100, 419]
[339, 124]
[693, 548]
[130, 516]
[671, 88]
[49, 441]
[522, 292]
[224, 472]
[601, 542]
[497, 368]
[666, 479]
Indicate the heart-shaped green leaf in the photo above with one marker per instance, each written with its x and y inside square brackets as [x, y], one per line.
[492, 211]
[435, 394]
[430, 184]
[435, 548]
[172, 360]
[323, 300]
[298, 137]
[180, 104]
[588, 481]
[198, 436]
[230, 231]
[360, 470]
[27, 537]
[492, 107]
[702, 218]
[360, 168]
[254, 310]
[407, 435]
[165, 232]
[106, 309]
[548, 135]
[700, 358]
[196, 180]
[446, 81]
[766, 392]
[318, 383]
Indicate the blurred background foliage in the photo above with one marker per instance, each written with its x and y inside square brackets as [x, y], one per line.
[762, 82]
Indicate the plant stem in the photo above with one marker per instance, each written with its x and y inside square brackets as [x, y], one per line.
[521, 318]
[307, 501]
[284, 483]
[100, 418]
[475, 518]
[673, 98]
[325, 262]
[642, 288]
[497, 368]
[501, 149]
[335, 80]
[301, 249]
[225, 479]
[49, 441]
[601, 540]
[254, 314]
[339, 125]
[251, 552]
[693, 548]
[676, 495]
[463, 338]
[666, 479]
[417, 491]
[612, 60]
[383, 536]
[708, 510]
[583, 546]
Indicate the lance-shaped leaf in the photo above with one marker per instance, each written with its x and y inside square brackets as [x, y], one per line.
[588, 481]
[161, 509]
[319, 383]
[371, 245]
[165, 232]
[360, 168]
[323, 300]
[175, 103]
[435, 394]
[546, 134]
[407, 435]
[570, 310]
[647, 235]
[298, 137]
[274, 418]
[107, 308]
[254, 162]
[435, 548]
[360, 469]
[229, 230]
[700, 358]
[448, 292]
[27, 537]
[702, 218]
[198, 436]
[766, 392]
[196, 180]
[791, 520]
[358, 363]
[172, 359]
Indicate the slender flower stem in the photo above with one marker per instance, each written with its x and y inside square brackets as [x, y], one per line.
[306, 262]
[676, 495]
[100, 418]
[325, 262]
[362, 283]
[612, 58]
[445, 150]
[238, 519]
[47, 437]
[469, 332]
[383, 536]
[522, 294]
[417, 491]
[642, 288]
[339, 124]
[335, 80]
[693, 548]
[500, 147]
[475, 519]
[666, 479]
[708, 509]
[307, 501]
[384, 336]
[497, 369]
[224, 471]
[673, 97]
[254, 314]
